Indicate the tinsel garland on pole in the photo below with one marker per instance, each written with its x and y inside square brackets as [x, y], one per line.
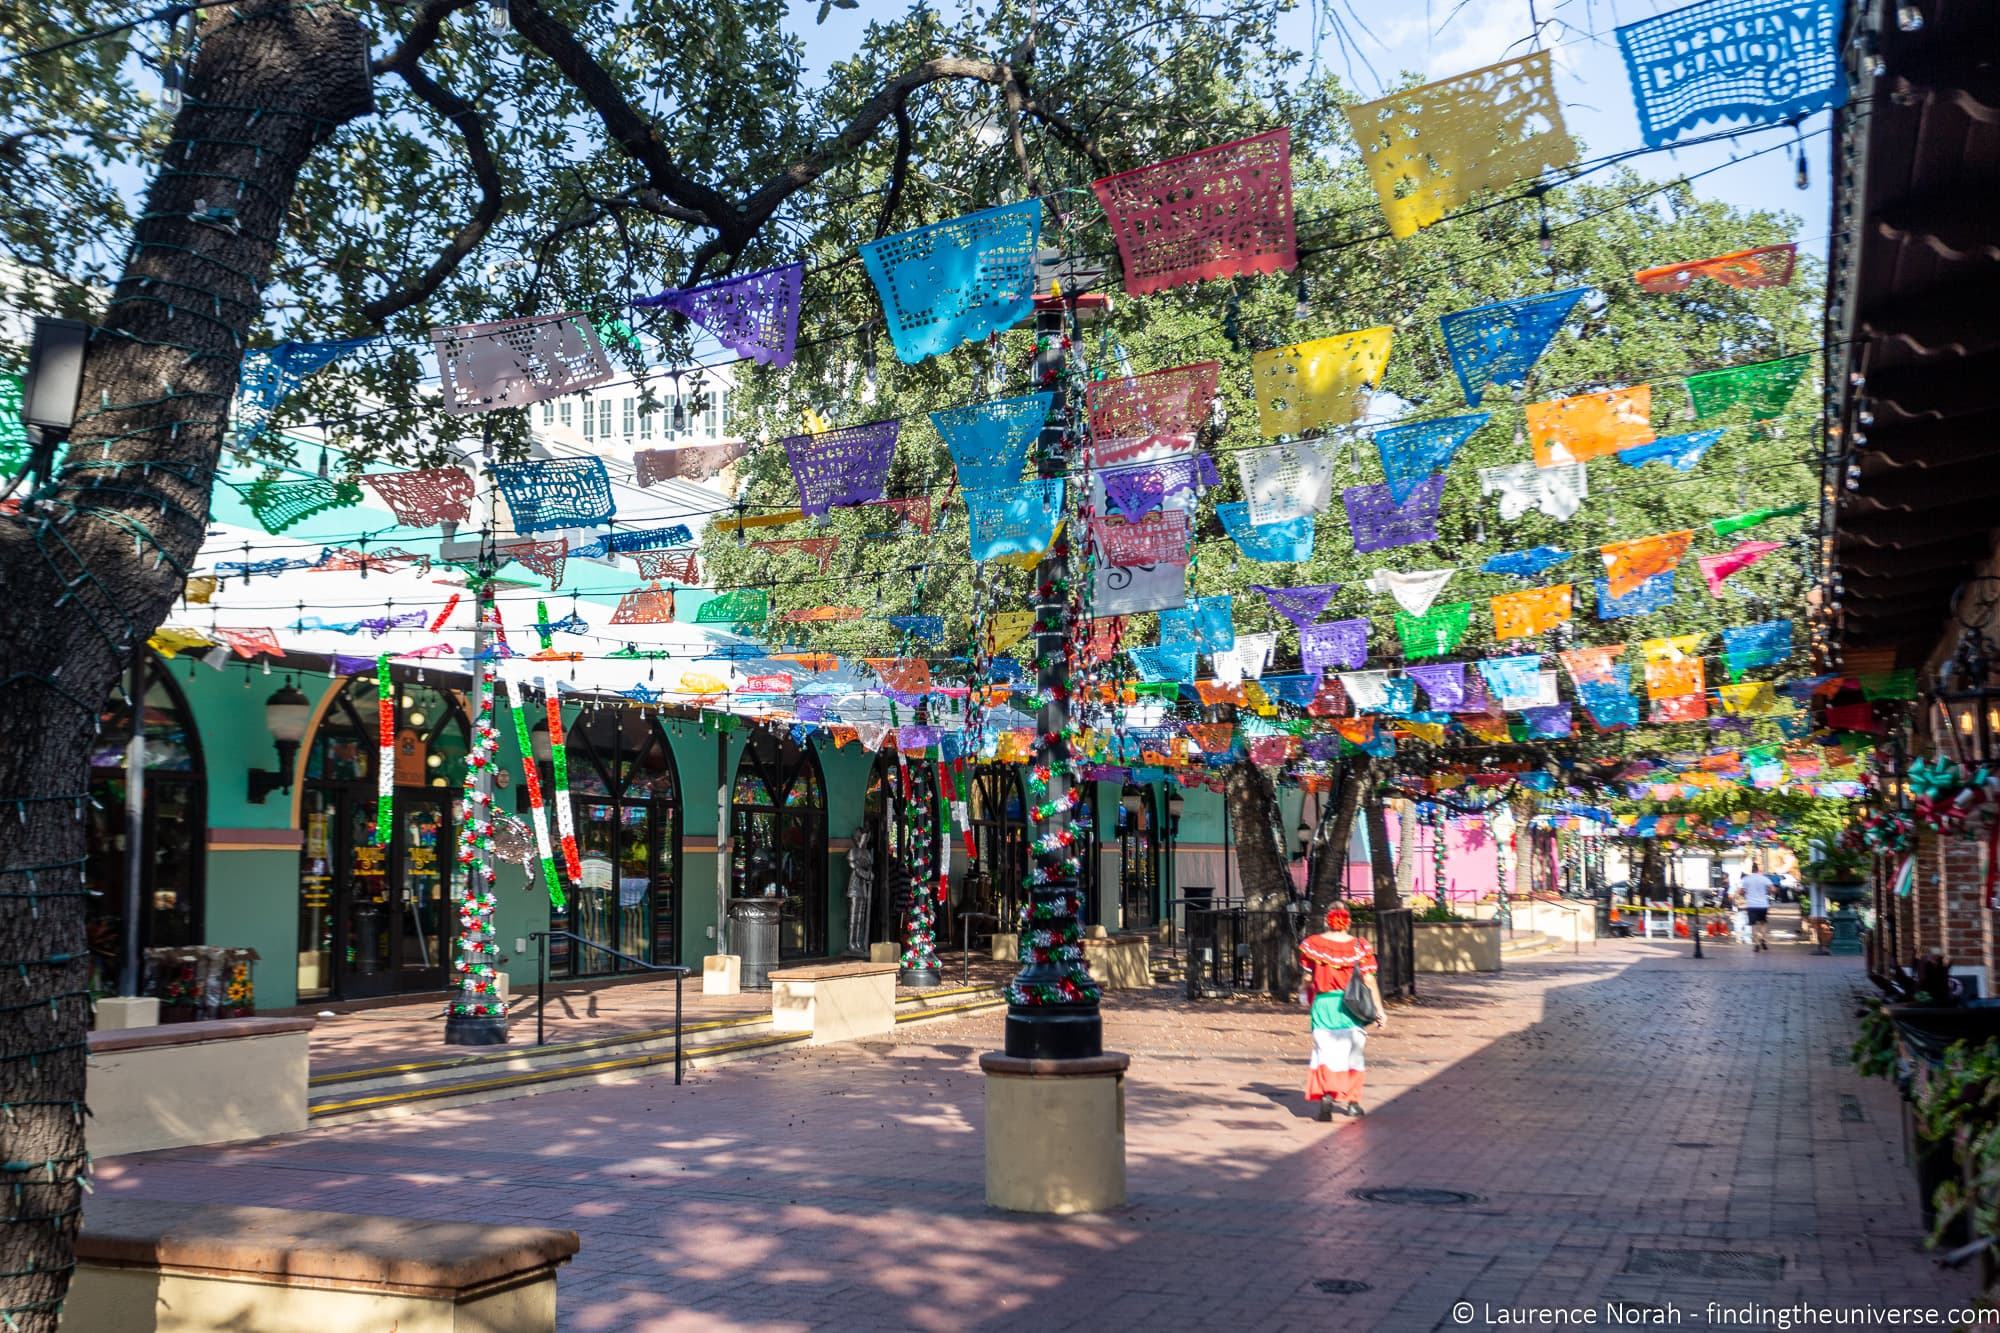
[1439, 851]
[385, 757]
[1052, 1001]
[920, 960]
[478, 953]
[538, 816]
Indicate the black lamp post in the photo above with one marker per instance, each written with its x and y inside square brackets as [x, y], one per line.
[287, 714]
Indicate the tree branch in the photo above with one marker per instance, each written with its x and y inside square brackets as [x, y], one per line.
[492, 195]
[422, 36]
[1067, 130]
[764, 201]
[628, 128]
[904, 132]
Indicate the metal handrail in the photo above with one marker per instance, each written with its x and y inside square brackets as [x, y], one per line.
[965, 961]
[542, 938]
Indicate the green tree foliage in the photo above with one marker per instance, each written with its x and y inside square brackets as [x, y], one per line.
[1600, 229]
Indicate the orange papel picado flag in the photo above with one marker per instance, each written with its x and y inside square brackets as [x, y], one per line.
[1628, 564]
[1673, 666]
[1590, 425]
[1521, 615]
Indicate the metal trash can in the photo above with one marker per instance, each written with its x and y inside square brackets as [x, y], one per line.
[753, 931]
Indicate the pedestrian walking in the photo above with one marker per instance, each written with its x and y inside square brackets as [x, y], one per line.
[1333, 961]
[1756, 890]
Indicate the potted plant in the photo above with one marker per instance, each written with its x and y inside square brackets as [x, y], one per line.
[1842, 872]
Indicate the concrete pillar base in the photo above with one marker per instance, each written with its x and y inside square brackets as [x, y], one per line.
[722, 974]
[115, 1013]
[1055, 1133]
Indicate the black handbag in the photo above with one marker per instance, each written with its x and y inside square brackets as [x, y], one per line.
[1358, 1002]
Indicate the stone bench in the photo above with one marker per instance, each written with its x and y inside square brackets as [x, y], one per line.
[834, 1001]
[151, 1264]
[219, 1081]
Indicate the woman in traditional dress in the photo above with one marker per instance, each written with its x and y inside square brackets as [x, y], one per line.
[1332, 961]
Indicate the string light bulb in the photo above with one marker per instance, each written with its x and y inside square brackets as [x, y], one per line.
[497, 19]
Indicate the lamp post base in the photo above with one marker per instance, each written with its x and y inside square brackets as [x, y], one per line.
[1055, 1133]
[1054, 1032]
[475, 1030]
[919, 978]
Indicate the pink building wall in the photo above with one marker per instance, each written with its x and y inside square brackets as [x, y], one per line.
[1472, 862]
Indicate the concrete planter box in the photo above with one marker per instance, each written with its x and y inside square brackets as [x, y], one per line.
[1458, 946]
[834, 1001]
[150, 1265]
[220, 1081]
[1119, 962]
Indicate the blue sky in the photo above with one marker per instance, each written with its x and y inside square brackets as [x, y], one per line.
[1438, 38]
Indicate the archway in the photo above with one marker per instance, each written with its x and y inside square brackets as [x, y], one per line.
[377, 914]
[885, 818]
[173, 819]
[997, 880]
[777, 836]
[626, 797]
[1138, 859]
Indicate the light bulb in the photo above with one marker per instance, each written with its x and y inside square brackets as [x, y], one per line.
[496, 16]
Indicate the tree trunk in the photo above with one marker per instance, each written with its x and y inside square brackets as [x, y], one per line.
[1379, 863]
[98, 555]
[1652, 870]
[1336, 825]
[1260, 854]
[1406, 849]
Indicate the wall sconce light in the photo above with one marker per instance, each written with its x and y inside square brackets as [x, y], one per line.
[287, 714]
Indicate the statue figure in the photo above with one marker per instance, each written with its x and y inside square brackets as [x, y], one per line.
[860, 889]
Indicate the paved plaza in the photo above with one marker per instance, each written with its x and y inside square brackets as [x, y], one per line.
[1621, 1125]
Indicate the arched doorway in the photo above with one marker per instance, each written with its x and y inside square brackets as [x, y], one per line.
[777, 834]
[626, 797]
[1138, 859]
[998, 877]
[885, 817]
[376, 915]
[173, 817]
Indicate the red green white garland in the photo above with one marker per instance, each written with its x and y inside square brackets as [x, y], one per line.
[538, 816]
[385, 758]
[559, 764]
[478, 981]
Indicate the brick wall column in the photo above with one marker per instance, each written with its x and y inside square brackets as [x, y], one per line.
[1963, 902]
[1927, 897]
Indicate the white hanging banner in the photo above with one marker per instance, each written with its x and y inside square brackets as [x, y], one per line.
[514, 362]
[1557, 491]
[1284, 481]
[1123, 590]
[1246, 660]
[1413, 589]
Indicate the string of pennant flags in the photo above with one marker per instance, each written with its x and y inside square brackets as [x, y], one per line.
[1132, 508]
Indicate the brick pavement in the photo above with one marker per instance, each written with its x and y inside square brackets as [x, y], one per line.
[1620, 1115]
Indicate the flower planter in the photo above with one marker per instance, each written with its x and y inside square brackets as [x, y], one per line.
[1846, 922]
[1927, 1030]
[1457, 946]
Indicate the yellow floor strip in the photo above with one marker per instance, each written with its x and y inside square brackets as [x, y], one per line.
[945, 1010]
[522, 1052]
[545, 1075]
